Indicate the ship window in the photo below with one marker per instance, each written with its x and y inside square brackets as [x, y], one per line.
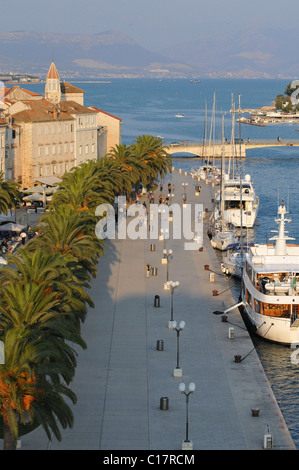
[249, 271]
[257, 305]
[249, 298]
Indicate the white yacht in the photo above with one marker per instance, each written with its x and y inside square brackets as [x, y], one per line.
[233, 197]
[233, 263]
[223, 236]
[269, 287]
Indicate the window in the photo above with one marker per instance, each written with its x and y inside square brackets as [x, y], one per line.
[86, 148]
[54, 150]
[40, 151]
[47, 149]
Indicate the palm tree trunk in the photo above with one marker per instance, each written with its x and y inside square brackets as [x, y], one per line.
[10, 442]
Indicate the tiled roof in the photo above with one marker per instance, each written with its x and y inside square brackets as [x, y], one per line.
[41, 111]
[44, 110]
[104, 112]
[52, 73]
[8, 91]
[75, 108]
[69, 88]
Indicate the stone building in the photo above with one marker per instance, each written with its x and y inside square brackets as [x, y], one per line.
[47, 136]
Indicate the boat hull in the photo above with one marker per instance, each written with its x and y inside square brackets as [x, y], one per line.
[272, 328]
[276, 330]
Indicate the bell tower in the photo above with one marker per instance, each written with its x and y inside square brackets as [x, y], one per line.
[52, 88]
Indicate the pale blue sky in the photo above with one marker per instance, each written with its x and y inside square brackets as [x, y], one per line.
[153, 24]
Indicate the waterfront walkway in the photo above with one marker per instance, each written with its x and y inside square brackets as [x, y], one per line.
[122, 376]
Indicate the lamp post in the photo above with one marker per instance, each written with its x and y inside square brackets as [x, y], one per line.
[187, 444]
[171, 285]
[166, 255]
[178, 372]
[164, 233]
[184, 193]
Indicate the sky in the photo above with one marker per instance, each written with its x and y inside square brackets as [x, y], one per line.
[154, 24]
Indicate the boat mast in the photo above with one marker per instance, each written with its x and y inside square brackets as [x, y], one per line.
[222, 176]
[212, 131]
[241, 188]
[205, 136]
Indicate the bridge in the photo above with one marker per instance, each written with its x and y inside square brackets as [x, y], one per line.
[208, 151]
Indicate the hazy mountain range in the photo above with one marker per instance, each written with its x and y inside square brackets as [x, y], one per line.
[253, 53]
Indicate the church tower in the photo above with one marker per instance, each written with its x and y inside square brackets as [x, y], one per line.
[52, 88]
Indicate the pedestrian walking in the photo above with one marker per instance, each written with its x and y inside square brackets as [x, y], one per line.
[148, 270]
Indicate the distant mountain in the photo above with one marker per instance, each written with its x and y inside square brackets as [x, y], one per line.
[249, 53]
[110, 53]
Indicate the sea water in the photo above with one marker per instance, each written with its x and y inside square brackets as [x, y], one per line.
[150, 107]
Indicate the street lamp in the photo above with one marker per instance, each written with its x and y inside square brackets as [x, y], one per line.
[178, 372]
[187, 444]
[171, 285]
[164, 233]
[184, 193]
[166, 255]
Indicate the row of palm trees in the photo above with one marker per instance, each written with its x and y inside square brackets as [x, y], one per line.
[44, 288]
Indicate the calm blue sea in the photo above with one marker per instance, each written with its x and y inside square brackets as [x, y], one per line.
[149, 107]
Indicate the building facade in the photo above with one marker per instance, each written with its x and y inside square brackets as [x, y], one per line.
[47, 136]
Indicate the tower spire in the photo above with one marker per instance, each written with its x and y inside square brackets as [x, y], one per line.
[52, 88]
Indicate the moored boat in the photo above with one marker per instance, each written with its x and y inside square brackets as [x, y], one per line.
[269, 288]
[234, 198]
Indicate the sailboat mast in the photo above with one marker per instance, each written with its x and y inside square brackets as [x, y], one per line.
[222, 176]
[241, 188]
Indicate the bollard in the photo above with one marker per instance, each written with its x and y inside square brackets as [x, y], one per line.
[160, 345]
[153, 247]
[164, 403]
[206, 266]
[224, 318]
[154, 271]
[231, 333]
[157, 301]
[215, 292]
[255, 412]
[238, 358]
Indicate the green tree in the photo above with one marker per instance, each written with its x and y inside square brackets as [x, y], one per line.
[29, 389]
[9, 194]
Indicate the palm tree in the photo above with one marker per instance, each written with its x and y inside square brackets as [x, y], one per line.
[151, 151]
[81, 188]
[29, 388]
[67, 232]
[52, 271]
[9, 194]
[132, 167]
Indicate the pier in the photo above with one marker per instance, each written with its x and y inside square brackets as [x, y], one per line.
[215, 150]
[127, 390]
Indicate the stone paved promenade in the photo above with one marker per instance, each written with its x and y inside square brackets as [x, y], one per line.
[122, 376]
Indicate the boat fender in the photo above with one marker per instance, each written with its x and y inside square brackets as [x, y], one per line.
[258, 260]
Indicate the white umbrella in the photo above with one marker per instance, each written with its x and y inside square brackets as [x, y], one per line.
[34, 197]
[10, 227]
[38, 189]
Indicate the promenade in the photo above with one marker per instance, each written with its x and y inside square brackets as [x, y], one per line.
[122, 376]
